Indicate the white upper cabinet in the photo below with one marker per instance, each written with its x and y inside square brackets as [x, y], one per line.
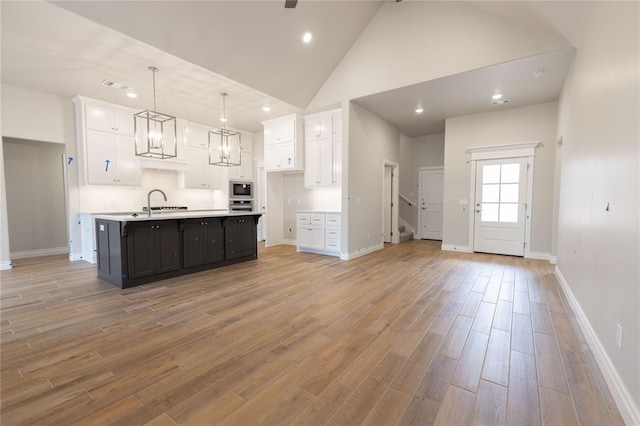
[197, 135]
[244, 172]
[323, 149]
[280, 130]
[109, 119]
[284, 144]
[106, 152]
[318, 127]
[200, 174]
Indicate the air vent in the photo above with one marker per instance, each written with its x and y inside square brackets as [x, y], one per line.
[500, 101]
[114, 85]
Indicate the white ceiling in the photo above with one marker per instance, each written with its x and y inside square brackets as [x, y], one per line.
[251, 50]
[470, 93]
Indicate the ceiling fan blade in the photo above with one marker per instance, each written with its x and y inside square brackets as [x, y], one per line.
[290, 4]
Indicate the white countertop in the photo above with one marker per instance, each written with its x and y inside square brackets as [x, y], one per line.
[184, 214]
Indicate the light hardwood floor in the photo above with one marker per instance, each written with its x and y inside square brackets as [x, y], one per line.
[406, 335]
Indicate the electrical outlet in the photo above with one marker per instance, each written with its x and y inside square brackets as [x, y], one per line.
[619, 335]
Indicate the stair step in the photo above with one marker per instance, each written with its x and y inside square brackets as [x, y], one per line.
[401, 228]
[406, 236]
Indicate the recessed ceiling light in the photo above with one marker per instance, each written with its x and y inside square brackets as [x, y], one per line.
[419, 110]
[496, 96]
[266, 108]
[306, 38]
[132, 95]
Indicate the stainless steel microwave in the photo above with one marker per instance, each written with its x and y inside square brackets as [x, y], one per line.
[241, 190]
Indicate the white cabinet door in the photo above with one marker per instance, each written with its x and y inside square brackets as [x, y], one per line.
[311, 237]
[319, 163]
[127, 165]
[278, 131]
[200, 174]
[101, 158]
[197, 136]
[99, 117]
[109, 119]
[311, 172]
[123, 121]
[305, 238]
[337, 161]
[280, 157]
[318, 127]
[286, 130]
[210, 175]
[337, 124]
[244, 171]
[325, 162]
[271, 158]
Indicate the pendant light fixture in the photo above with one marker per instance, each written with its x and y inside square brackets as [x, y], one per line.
[224, 144]
[155, 134]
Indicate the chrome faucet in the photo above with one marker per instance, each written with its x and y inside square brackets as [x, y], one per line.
[149, 199]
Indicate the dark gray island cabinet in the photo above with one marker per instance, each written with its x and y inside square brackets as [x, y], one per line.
[139, 250]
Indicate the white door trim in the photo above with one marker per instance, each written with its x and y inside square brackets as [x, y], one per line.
[490, 152]
[395, 190]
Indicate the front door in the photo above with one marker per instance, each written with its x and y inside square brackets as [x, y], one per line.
[500, 206]
[431, 200]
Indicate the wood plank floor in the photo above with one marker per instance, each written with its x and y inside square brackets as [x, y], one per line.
[406, 335]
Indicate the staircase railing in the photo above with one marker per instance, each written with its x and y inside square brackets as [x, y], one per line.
[407, 199]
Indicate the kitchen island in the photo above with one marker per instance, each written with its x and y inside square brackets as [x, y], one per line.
[134, 249]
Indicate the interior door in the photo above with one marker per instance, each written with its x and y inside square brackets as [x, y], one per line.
[431, 201]
[500, 206]
[386, 204]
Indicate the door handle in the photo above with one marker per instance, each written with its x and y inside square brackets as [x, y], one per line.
[478, 210]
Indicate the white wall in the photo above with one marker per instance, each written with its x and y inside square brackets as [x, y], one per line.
[35, 197]
[599, 250]
[5, 251]
[525, 124]
[415, 41]
[32, 115]
[371, 140]
[423, 151]
[38, 116]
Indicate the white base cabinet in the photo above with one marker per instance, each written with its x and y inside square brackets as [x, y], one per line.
[319, 232]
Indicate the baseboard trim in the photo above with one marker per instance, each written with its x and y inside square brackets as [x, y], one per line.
[38, 253]
[6, 265]
[454, 247]
[361, 252]
[290, 242]
[628, 409]
[553, 260]
[74, 257]
[537, 255]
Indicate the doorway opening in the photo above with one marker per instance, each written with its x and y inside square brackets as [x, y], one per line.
[36, 190]
[390, 194]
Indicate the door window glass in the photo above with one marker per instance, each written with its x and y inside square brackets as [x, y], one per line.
[500, 188]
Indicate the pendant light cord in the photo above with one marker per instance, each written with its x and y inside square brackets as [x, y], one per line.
[153, 70]
[153, 74]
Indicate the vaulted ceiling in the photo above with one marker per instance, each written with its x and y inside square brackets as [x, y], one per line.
[250, 49]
